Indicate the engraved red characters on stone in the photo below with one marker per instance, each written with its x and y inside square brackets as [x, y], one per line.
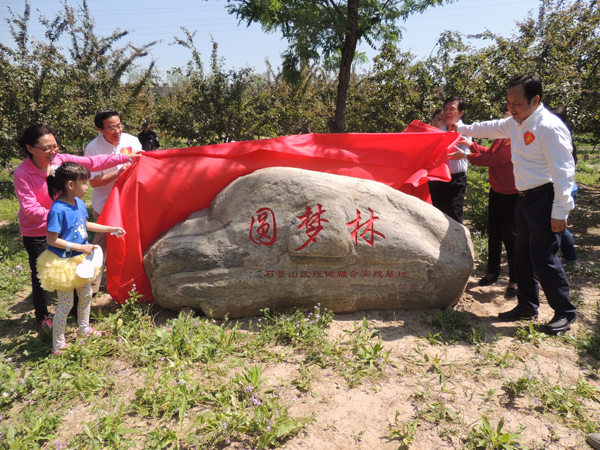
[265, 233]
[367, 226]
[312, 223]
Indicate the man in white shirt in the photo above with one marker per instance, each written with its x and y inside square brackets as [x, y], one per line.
[449, 196]
[544, 171]
[111, 140]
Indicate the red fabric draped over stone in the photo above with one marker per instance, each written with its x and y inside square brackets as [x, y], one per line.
[163, 188]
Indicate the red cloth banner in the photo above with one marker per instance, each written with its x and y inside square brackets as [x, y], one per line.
[162, 188]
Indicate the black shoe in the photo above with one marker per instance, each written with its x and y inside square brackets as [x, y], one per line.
[594, 440]
[517, 313]
[510, 293]
[485, 282]
[559, 323]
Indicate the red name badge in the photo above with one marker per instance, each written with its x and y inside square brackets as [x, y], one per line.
[529, 138]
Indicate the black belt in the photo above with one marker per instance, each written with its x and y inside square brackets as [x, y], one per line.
[534, 190]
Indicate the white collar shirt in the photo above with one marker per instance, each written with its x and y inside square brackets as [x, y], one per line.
[459, 165]
[100, 146]
[541, 153]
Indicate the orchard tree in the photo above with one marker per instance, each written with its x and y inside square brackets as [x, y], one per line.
[281, 108]
[396, 91]
[39, 82]
[561, 43]
[329, 29]
[205, 107]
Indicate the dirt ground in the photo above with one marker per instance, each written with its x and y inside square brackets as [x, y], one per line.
[359, 418]
[456, 376]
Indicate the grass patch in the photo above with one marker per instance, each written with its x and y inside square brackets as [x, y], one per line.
[165, 381]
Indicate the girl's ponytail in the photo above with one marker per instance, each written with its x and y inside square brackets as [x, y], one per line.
[60, 175]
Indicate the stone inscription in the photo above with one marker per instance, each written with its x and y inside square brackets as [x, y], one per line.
[263, 228]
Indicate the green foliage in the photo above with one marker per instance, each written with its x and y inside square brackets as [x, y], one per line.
[484, 436]
[589, 342]
[403, 432]
[566, 401]
[368, 355]
[206, 108]
[32, 432]
[531, 335]
[328, 30]
[41, 82]
[476, 199]
[560, 44]
[397, 91]
[455, 325]
[108, 431]
[303, 329]
[438, 412]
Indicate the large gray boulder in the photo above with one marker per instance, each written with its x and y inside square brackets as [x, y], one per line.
[284, 238]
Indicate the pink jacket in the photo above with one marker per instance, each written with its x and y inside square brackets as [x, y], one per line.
[32, 190]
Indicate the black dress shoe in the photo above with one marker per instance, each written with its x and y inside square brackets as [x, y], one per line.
[485, 282]
[518, 313]
[510, 293]
[594, 440]
[559, 323]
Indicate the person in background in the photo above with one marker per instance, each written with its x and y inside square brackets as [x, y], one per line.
[39, 144]
[501, 207]
[110, 141]
[67, 246]
[567, 245]
[544, 170]
[437, 120]
[148, 138]
[449, 196]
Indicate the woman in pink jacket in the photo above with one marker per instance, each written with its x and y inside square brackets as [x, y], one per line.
[39, 144]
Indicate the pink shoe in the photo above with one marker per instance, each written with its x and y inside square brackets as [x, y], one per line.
[94, 333]
[45, 322]
[59, 351]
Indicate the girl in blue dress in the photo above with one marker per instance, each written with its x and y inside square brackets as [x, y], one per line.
[67, 247]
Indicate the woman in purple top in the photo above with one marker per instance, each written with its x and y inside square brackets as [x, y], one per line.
[39, 144]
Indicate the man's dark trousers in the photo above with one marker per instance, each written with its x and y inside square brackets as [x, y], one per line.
[535, 254]
[449, 197]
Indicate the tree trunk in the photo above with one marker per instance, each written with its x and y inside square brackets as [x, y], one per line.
[338, 123]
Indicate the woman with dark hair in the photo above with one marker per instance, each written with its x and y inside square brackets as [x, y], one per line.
[39, 145]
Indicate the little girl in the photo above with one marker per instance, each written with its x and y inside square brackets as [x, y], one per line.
[67, 245]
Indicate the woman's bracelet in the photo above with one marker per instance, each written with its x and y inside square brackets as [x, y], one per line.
[69, 245]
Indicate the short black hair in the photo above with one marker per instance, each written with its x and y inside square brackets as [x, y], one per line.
[461, 102]
[32, 135]
[436, 112]
[531, 84]
[102, 115]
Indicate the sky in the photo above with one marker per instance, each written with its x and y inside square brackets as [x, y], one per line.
[241, 46]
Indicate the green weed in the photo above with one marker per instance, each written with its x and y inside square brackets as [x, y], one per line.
[454, 324]
[531, 334]
[562, 400]
[484, 436]
[438, 412]
[403, 431]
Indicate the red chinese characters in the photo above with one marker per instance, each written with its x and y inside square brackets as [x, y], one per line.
[263, 227]
[368, 228]
[266, 229]
[312, 223]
